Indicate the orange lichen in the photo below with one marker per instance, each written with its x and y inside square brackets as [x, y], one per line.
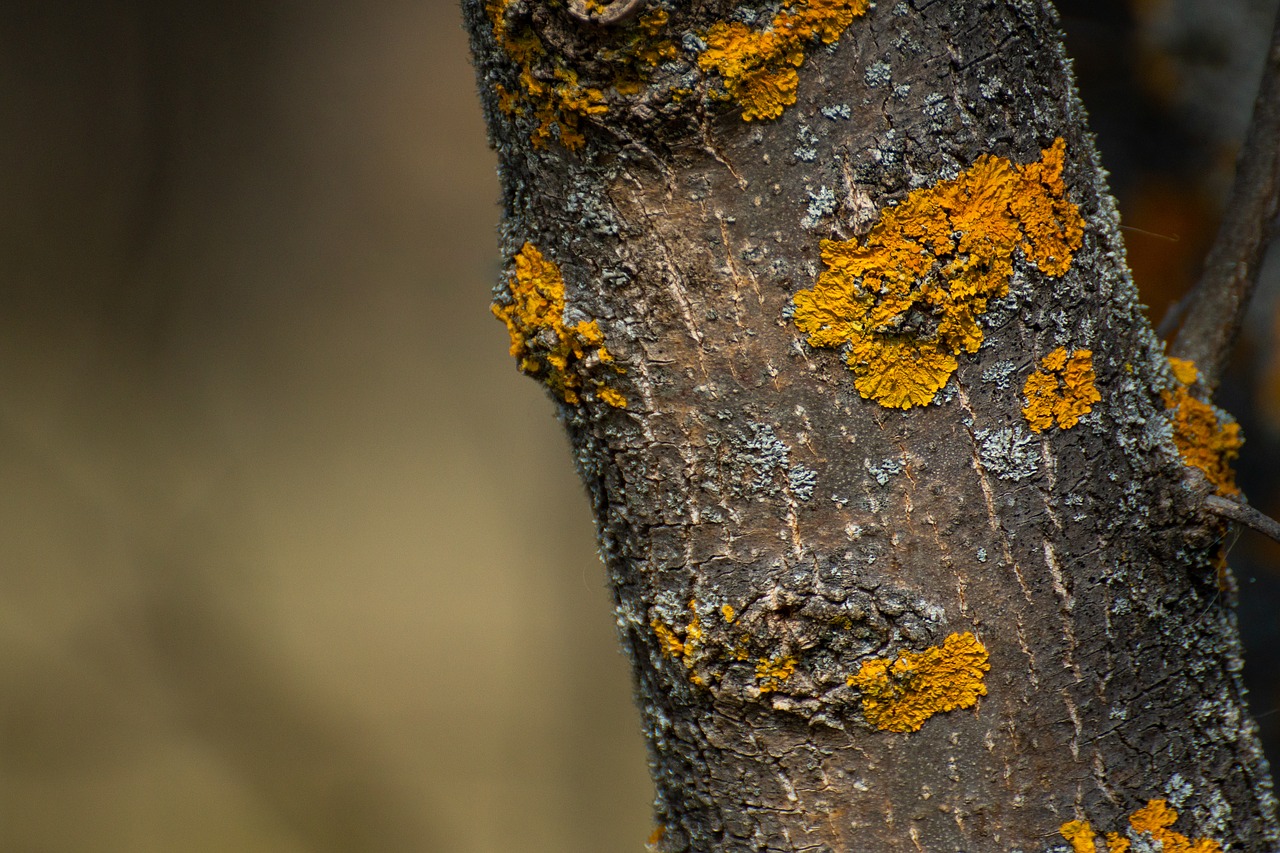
[641, 51]
[771, 672]
[684, 650]
[557, 104]
[758, 66]
[692, 633]
[647, 48]
[1154, 819]
[543, 345]
[671, 645]
[655, 837]
[899, 695]
[508, 102]
[1184, 370]
[558, 107]
[612, 396]
[1117, 843]
[1204, 440]
[1061, 391]
[907, 298]
[1080, 835]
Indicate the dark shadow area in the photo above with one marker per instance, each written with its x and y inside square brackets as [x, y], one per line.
[1169, 87]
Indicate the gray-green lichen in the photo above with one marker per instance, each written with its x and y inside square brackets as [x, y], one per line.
[1011, 453]
[885, 468]
[765, 460]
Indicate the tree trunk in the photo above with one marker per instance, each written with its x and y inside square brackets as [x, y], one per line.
[901, 502]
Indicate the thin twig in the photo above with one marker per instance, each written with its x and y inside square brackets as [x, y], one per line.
[1244, 514]
[1173, 317]
[1222, 294]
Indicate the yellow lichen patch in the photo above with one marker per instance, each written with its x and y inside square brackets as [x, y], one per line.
[906, 299]
[1061, 390]
[559, 107]
[655, 837]
[1184, 370]
[612, 396]
[758, 66]
[684, 650]
[1156, 817]
[1155, 820]
[1080, 835]
[1117, 843]
[1203, 439]
[543, 345]
[548, 90]
[728, 612]
[671, 645]
[692, 633]
[642, 51]
[772, 672]
[647, 48]
[899, 695]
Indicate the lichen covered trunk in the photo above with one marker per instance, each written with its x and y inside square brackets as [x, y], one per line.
[898, 494]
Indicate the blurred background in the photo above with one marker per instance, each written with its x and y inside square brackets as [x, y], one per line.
[291, 558]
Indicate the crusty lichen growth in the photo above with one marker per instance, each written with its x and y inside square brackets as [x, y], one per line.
[1061, 391]
[543, 345]
[1149, 824]
[772, 672]
[1184, 370]
[755, 67]
[643, 51]
[1155, 818]
[1204, 440]
[758, 66]
[906, 300]
[548, 90]
[683, 649]
[899, 695]
[1079, 835]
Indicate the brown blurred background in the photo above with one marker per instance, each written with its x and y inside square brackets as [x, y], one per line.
[291, 559]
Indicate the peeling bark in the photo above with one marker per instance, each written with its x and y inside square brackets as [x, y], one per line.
[785, 550]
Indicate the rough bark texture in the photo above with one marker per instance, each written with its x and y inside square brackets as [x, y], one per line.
[771, 532]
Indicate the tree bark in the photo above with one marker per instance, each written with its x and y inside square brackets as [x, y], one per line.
[906, 530]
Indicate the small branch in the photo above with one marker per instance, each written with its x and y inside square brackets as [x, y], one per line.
[1244, 514]
[617, 12]
[1221, 296]
[1173, 316]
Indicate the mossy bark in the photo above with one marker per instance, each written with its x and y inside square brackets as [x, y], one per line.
[769, 532]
